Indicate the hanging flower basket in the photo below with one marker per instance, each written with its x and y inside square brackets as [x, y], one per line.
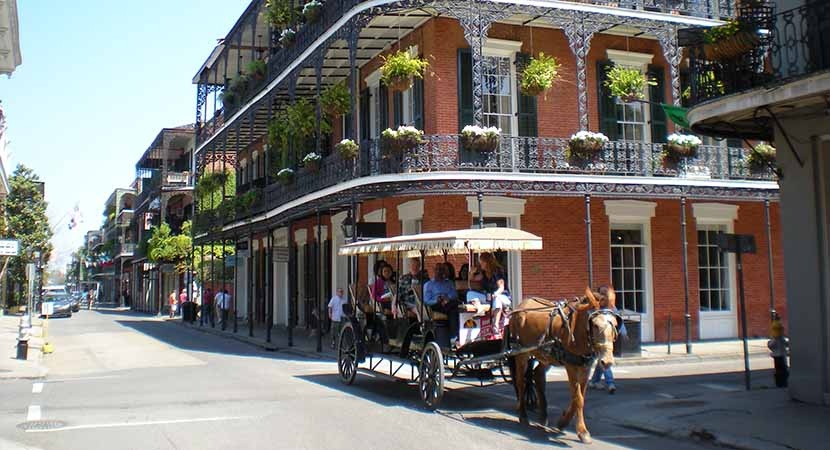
[539, 75]
[348, 149]
[399, 70]
[285, 176]
[585, 146]
[288, 37]
[680, 146]
[336, 100]
[762, 157]
[480, 139]
[312, 11]
[311, 162]
[730, 40]
[404, 139]
[627, 83]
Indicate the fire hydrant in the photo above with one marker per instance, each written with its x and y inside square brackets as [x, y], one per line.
[24, 331]
[779, 346]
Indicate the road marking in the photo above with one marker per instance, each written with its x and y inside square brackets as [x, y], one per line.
[64, 380]
[34, 413]
[37, 388]
[721, 387]
[139, 424]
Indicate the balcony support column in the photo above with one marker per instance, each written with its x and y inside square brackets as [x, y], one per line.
[354, 83]
[201, 98]
[292, 93]
[667, 35]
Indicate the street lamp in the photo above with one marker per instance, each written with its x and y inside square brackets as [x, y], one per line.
[348, 226]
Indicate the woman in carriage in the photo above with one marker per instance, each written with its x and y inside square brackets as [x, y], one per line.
[495, 285]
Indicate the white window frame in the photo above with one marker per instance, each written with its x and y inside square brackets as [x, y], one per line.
[512, 209]
[507, 49]
[407, 99]
[636, 212]
[411, 215]
[637, 61]
[726, 215]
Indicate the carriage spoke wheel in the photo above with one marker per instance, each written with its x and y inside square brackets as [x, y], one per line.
[530, 387]
[431, 375]
[347, 354]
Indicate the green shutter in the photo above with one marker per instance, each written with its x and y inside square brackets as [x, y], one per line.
[606, 103]
[527, 105]
[383, 94]
[465, 87]
[365, 128]
[397, 109]
[657, 96]
[418, 103]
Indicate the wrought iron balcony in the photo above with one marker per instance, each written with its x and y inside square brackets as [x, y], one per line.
[125, 250]
[177, 179]
[787, 45]
[443, 153]
[125, 217]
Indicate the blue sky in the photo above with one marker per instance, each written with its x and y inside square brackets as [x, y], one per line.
[99, 80]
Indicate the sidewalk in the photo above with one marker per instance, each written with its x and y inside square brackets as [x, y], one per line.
[10, 367]
[305, 344]
[763, 418]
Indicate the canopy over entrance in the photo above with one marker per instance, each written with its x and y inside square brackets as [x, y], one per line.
[456, 241]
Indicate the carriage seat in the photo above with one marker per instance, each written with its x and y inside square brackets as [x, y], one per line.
[470, 308]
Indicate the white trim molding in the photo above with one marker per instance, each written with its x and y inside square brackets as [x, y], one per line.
[324, 232]
[497, 206]
[280, 237]
[629, 59]
[501, 47]
[714, 213]
[301, 236]
[629, 211]
[337, 222]
[412, 210]
[378, 215]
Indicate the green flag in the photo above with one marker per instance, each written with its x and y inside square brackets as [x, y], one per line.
[677, 115]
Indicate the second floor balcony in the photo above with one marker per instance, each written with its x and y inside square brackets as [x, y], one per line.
[125, 250]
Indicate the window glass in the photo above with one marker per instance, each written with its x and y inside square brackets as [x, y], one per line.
[627, 268]
[713, 270]
[497, 93]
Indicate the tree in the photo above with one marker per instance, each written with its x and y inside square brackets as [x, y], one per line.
[165, 247]
[27, 222]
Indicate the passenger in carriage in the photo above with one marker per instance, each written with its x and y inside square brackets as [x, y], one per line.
[383, 288]
[411, 285]
[495, 284]
[440, 295]
[475, 283]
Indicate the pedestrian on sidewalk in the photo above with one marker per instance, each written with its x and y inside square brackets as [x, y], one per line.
[173, 300]
[779, 346]
[207, 306]
[182, 298]
[223, 302]
[602, 371]
[336, 314]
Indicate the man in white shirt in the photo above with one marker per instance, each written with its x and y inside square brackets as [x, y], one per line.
[336, 314]
[223, 302]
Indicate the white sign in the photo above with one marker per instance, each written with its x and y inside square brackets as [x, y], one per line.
[9, 247]
[47, 308]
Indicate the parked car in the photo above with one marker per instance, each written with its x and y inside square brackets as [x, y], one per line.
[62, 305]
[54, 290]
[76, 301]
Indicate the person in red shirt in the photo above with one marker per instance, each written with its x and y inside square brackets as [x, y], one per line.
[207, 306]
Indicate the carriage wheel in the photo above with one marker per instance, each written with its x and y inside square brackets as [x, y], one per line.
[347, 354]
[530, 386]
[431, 375]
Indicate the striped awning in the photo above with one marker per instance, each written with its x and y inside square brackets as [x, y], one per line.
[456, 241]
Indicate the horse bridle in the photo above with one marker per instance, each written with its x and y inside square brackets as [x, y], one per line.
[616, 329]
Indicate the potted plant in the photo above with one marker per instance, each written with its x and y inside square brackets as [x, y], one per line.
[348, 149]
[278, 12]
[730, 40]
[287, 37]
[256, 69]
[235, 90]
[480, 139]
[311, 162]
[627, 83]
[285, 176]
[539, 75]
[336, 99]
[405, 138]
[679, 146]
[399, 69]
[585, 146]
[312, 11]
[761, 158]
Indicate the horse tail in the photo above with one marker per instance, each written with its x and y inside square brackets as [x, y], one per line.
[511, 359]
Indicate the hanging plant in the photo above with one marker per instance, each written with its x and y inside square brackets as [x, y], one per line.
[278, 13]
[312, 11]
[679, 146]
[302, 121]
[400, 68]
[244, 202]
[730, 40]
[627, 83]
[336, 99]
[539, 75]
[311, 162]
[404, 139]
[256, 69]
[480, 139]
[287, 37]
[348, 149]
[762, 157]
[585, 146]
[285, 176]
[235, 90]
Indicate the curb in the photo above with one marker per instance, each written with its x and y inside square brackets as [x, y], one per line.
[682, 359]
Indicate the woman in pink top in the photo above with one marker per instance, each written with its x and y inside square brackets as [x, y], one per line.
[382, 288]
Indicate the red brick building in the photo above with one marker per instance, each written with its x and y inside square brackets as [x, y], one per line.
[288, 231]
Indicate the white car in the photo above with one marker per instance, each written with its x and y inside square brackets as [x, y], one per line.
[55, 290]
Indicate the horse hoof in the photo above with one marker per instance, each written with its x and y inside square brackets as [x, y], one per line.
[544, 422]
[585, 437]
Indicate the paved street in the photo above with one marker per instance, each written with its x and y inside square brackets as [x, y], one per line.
[118, 380]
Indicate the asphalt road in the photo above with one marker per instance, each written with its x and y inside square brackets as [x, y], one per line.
[125, 381]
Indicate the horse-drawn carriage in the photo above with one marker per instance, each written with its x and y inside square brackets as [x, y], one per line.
[380, 336]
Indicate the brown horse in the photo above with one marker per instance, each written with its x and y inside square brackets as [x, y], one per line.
[569, 334]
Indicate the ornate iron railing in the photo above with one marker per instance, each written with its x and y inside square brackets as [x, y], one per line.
[788, 45]
[444, 153]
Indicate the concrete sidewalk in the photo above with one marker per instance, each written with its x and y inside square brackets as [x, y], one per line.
[10, 367]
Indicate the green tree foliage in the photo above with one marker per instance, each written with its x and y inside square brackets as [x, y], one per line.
[27, 222]
[167, 248]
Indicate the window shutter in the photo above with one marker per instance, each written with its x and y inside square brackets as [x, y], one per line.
[465, 88]
[397, 109]
[364, 115]
[606, 102]
[418, 103]
[657, 96]
[383, 110]
[527, 104]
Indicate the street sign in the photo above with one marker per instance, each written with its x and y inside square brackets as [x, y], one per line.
[735, 243]
[9, 247]
[47, 308]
